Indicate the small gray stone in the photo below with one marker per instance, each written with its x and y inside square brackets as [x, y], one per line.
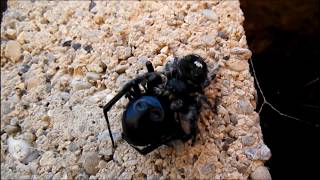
[247, 140]
[5, 107]
[65, 96]
[91, 76]
[223, 35]
[92, 5]
[208, 40]
[261, 173]
[18, 148]
[234, 119]
[11, 129]
[245, 107]
[35, 60]
[122, 52]
[90, 164]
[142, 60]
[243, 53]
[107, 153]
[73, 147]
[76, 46]
[206, 169]
[80, 85]
[264, 153]
[23, 69]
[32, 156]
[29, 137]
[237, 65]
[121, 68]
[14, 121]
[81, 176]
[51, 57]
[25, 177]
[251, 153]
[208, 13]
[47, 159]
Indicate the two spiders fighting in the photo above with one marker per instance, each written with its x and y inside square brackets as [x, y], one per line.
[163, 106]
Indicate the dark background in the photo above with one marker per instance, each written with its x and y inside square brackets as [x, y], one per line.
[284, 38]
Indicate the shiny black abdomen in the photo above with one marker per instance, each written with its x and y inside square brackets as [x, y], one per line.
[146, 121]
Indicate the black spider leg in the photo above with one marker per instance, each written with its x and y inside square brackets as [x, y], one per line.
[188, 120]
[136, 91]
[133, 92]
[200, 99]
[149, 66]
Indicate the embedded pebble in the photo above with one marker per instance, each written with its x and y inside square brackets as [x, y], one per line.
[243, 53]
[237, 65]
[92, 76]
[247, 140]
[5, 107]
[92, 5]
[91, 161]
[223, 35]
[31, 157]
[88, 48]
[121, 68]
[18, 148]
[251, 153]
[11, 34]
[210, 14]
[23, 68]
[73, 147]
[80, 85]
[260, 173]
[164, 50]
[47, 159]
[122, 52]
[205, 170]
[264, 153]
[76, 46]
[208, 39]
[245, 106]
[67, 43]
[12, 51]
[11, 129]
[21, 38]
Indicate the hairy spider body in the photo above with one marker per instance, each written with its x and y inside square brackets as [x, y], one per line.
[163, 105]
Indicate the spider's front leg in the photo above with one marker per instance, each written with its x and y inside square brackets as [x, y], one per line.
[188, 122]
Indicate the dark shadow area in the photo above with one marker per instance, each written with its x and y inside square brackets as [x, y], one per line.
[284, 39]
[3, 8]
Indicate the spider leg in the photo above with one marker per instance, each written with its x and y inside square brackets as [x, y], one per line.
[149, 66]
[188, 121]
[202, 99]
